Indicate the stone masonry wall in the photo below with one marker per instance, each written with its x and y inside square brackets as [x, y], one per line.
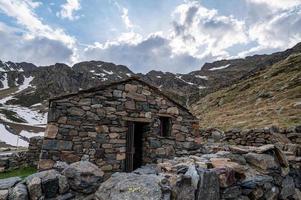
[21, 159]
[254, 137]
[93, 126]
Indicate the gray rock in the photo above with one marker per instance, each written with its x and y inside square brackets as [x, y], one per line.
[83, 176]
[263, 161]
[130, 186]
[9, 182]
[271, 194]
[147, 169]
[183, 189]
[49, 182]
[288, 187]
[192, 172]
[3, 194]
[231, 193]
[63, 184]
[34, 188]
[208, 185]
[60, 166]
[66, 196]
[255, 181]
[19, 192]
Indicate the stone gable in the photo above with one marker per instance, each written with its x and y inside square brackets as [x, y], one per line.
[94, 124]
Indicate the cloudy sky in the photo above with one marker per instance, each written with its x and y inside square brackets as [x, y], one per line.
[167, 35]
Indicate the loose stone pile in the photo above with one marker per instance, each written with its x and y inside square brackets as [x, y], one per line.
[239, 173]
[253, 137]
[79, 180]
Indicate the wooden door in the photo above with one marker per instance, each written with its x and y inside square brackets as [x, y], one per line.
[130, 147]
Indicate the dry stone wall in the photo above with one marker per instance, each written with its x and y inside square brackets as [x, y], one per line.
[30, 157]
[253, 137]
[93, 126]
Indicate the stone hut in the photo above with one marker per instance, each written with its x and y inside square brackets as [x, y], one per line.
[119, 127]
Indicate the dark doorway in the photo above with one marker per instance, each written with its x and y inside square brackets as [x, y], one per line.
[134, 145]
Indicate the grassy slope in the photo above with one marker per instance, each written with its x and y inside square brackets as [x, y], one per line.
[271, 97]
[22, 173]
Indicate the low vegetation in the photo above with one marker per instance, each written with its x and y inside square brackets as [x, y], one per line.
[270, 97]
[22, 173]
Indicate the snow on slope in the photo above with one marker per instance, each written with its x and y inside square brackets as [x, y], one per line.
[15, 140]
[4, 82]
[221, 67]
[201, 77]
[31, 116]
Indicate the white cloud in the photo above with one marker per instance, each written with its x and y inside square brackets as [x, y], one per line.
[153, 52]
[277, 4]
[68, 10]
[126, 19]
[280, 31]
[38, 50]
[34, 28]
[200, 32]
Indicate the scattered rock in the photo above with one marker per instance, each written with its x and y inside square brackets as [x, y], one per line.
[208, 185]
[34, 188]
[130, 186]
[9, 182]
[19, 192]
[83, 176]
[263, 161]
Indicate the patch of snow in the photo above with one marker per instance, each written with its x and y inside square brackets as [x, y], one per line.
[180, 77]
[101, 74]
[28, 134]
[159, 77]
[4, 82]
[37, 104]
[221, 67]
[10, 138]
[104, 79]
[201, 87]
[22, 87]
[92, 71]
[108, 72]
[202, 77]
[128, 74]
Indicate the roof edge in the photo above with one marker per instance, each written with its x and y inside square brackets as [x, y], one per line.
[104, 86]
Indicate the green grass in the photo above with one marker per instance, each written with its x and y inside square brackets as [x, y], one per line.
[22, 173]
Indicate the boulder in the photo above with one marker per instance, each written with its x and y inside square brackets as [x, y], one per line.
[34, 188]
[288, 187]
[130, 186]
[3, 194]
[49, 182]
[83, 176]
[183, 189]
[19, 192]
[60, 166]
[263, 161]
[9, 182]
[208, 187]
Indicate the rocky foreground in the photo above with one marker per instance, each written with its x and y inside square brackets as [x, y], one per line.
[224, 172]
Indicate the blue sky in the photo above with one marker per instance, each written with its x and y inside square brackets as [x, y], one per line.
[167, 35]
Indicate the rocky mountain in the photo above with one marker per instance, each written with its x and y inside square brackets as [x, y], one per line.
[271, 96]
[25, 88]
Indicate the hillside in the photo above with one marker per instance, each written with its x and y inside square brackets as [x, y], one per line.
[25, 87]
[269, 97]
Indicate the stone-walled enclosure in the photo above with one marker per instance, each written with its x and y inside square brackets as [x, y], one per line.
[93, 125]
[10, 161]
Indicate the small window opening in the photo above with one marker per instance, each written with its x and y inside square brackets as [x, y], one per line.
[165, 126]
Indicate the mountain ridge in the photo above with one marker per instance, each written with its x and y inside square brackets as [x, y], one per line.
[25, 87]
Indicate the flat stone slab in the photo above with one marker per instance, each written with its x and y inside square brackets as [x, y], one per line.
[9, 182]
